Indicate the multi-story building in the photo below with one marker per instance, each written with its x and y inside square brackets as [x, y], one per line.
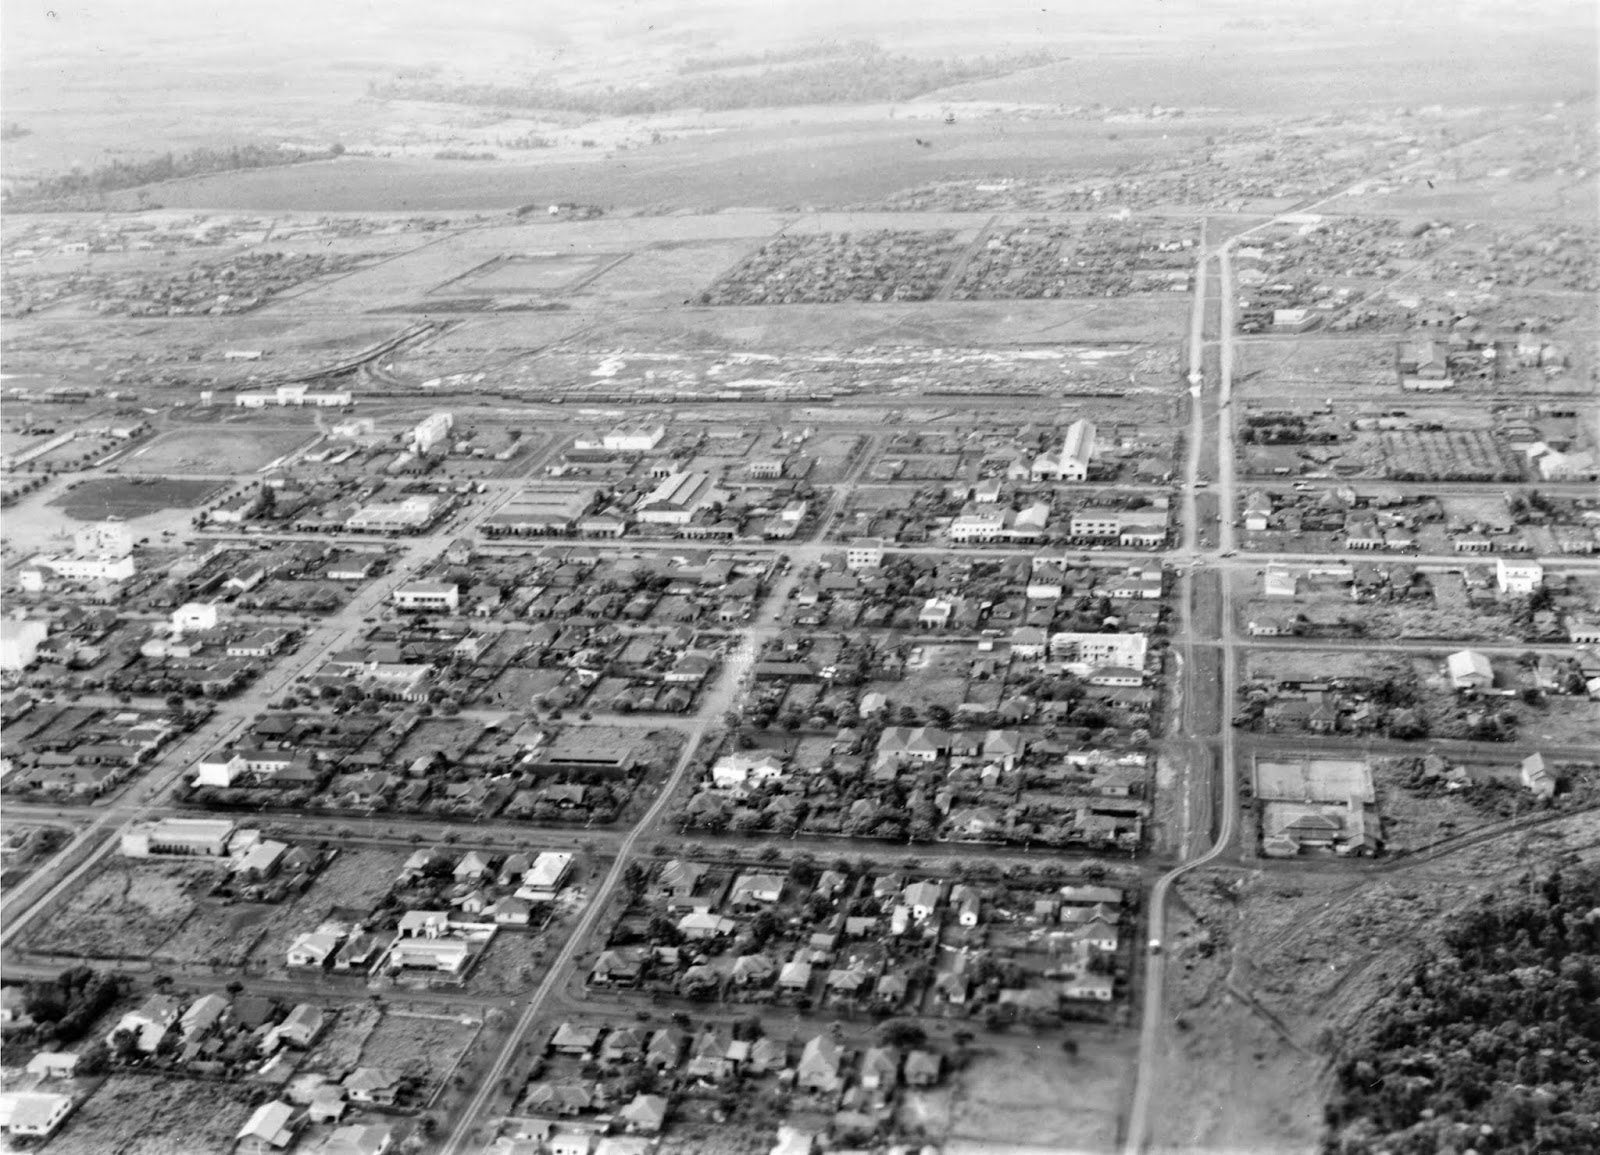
[1092, 650]
[1518, 578]
[864, 553]
[428, 596]
[431, 432]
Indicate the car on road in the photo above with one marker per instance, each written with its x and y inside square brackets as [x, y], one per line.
[1155, 946]
[1230, 553]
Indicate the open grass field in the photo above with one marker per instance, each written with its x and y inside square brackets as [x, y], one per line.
[424, 1046]
[1024, 1094]
[126, 910]
[155, 1115]
[215, 450]
[103, 497]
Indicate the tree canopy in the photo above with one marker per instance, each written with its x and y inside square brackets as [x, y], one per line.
[1492, 1041]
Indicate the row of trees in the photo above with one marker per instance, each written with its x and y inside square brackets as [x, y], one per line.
[864, 75]
[80, 187]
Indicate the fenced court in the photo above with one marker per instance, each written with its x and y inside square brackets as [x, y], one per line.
[1310, 779]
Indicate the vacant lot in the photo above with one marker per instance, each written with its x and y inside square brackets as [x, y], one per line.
[423, 1046]
[1026, 1093]
[138, 1115]
[339, 1051]
[127, 910]
[218, 934]
[106, 497]
[513, 965]
[215, 450]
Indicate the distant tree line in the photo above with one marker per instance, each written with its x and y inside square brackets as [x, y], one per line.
[1492, 1041]
[83, 188]
[819, 51]
[866, 74]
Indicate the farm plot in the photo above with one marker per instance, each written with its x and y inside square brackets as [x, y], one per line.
[232, 451]
[421, 1047]
[882, 265]
[127, 910]
[531, 273]
[103, 497]
[143, 1115]
[1440, 455]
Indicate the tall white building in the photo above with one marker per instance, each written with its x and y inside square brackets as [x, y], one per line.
[431, 432]
[1518, 578]
[1072, 462]
[1100, 649]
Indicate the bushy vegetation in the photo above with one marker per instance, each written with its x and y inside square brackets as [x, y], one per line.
[83, 189]
[1492, 1042]
[865, 73]
[65, 1009]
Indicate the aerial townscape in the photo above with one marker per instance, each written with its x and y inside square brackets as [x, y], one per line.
[894, 582]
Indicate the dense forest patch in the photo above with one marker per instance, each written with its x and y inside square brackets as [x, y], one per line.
[1492, 1042]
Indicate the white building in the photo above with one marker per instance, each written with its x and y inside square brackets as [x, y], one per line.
[1098, 523]
[221, 769]
[1278, 582]
[864, 553]
[19, 642]
[195, 616]
[431, 432]
[293, 395]
[742, 766]
[977, 527]
[86, 568]
[1518, 578]
[635, 437]
[546, 876]
[428, 596]
[1072, 462]
[1091, 650]
[34, 1114]
[676, 499]
[205, 837]
[1469, 670]
[410, 513]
